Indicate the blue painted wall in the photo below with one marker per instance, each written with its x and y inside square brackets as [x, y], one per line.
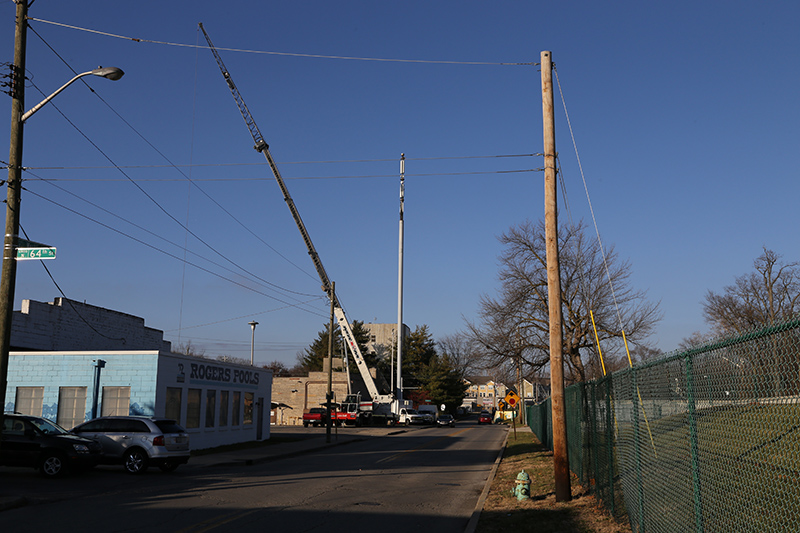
[51, 370]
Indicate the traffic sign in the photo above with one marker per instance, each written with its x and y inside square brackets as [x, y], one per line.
[512, 399]
[34, 250]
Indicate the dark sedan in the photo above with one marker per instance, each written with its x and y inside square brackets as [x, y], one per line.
[36, 442]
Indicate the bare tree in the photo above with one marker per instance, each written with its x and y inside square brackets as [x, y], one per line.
[460, 350]
[760, 298]
[516, 323]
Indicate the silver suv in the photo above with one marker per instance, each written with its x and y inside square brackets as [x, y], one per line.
[136, 442]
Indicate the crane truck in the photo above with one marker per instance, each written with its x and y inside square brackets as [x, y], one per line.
[381, 408]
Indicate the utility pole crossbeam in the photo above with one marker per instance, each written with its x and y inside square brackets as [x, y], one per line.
[560, 454]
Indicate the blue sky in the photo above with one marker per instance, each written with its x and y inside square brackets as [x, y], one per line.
[685, 116]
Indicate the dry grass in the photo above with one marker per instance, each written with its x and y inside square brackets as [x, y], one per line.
[502, 512]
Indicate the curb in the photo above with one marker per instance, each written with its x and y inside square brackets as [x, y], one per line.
[476, 514]
[12, 502]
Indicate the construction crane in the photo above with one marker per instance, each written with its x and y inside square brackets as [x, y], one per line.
[382, 404]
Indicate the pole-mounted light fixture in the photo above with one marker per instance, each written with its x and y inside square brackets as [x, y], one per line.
[111, 73]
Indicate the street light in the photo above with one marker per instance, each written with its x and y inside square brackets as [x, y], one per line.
[111, 73]
[14, 183]
[253, 325]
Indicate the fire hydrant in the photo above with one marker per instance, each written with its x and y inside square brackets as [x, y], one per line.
[522, 489]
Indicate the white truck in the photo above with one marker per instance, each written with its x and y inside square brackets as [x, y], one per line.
[408, 416]
[384, 406]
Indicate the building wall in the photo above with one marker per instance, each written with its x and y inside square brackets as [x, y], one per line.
[149, 374]
[382, 338]
[209, 376]
[53, 370]
[303, 393]
[64, 325]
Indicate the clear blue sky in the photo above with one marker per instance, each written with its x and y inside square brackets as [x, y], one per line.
[685, 115]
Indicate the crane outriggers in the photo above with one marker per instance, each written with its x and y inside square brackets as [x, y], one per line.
[383, 407]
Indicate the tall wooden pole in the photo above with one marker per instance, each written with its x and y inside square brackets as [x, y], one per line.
[560, 455]
[329, 394]
[8, 279]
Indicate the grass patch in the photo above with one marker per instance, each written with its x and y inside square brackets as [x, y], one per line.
[502, 512]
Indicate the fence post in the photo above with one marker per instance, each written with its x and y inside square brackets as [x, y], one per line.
[693, 450]
[610, 442]
[593, 434]
[637, 448]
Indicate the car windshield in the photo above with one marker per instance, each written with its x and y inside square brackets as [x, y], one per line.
[411, 411]
[47, 427]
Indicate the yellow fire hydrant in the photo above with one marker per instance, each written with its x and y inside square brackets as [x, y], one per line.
[522, 488]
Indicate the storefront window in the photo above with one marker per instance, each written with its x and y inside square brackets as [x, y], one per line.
[29, 400]
[248, 408]
[116, 401]
[211, 407]
[193, 408]
[237, 400]
[71, 406]
[173, 407]
[223, 408]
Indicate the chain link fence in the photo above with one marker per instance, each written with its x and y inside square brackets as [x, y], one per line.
[704, 440]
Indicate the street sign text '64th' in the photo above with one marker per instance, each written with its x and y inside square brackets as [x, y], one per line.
[34, 250]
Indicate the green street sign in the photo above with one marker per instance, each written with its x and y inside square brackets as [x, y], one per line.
[35, 253]
[34, 250]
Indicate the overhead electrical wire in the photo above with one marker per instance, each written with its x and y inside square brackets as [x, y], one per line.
[283, 163]
[265, 283]
[291, 54]
[173, 256]
[266, 178]
[118, 168]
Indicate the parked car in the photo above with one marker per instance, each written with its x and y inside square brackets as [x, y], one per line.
[36, 442]
[446, 420]
[137, 442]
[485, 418]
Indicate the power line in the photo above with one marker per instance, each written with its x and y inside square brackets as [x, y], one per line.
[173, 256]
[290, 54]
[283, 163]
[266, 178]
[213, 200]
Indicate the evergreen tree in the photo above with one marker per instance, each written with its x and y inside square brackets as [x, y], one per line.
[430, 376]
[311, 359]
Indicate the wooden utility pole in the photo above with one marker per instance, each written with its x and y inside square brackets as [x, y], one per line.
[8, 279]
[329, 394]
[560, 455]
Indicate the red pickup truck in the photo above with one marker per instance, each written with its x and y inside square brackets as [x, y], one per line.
[316, 416]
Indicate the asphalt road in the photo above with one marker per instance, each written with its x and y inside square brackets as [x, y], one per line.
[422, 480]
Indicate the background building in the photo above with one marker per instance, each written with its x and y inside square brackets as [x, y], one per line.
[217, 402]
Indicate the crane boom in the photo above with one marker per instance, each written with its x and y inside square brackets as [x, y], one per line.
[263, 147]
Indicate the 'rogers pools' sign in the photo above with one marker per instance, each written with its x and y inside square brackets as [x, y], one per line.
[202, 372]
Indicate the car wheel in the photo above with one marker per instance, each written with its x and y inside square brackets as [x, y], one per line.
[53, 464]
[168, 466]
[408, 423]
[135, 461]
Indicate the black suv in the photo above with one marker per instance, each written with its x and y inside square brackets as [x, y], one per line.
[39, 443]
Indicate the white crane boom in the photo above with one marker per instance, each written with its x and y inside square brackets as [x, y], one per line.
[263, 147]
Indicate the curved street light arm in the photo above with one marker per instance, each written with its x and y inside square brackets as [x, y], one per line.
[112, 73]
